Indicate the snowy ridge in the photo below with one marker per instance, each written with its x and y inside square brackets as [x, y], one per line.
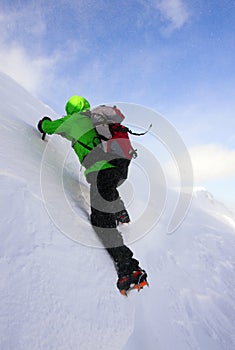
[206, 201]
[56, 294]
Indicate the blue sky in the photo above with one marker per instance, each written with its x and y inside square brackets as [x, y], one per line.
[174, 56]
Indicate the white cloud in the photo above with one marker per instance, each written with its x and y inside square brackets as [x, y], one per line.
[28, 19]
[212, 162]
[26, 70]
[20, 56]
[174, 11]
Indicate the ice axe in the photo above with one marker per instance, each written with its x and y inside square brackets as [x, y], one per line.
[40, 127]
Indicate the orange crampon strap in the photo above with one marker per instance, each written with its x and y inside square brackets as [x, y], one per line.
[136, 286]
[123, 292]
[140, 285]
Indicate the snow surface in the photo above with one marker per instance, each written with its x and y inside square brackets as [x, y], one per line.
[58, 294]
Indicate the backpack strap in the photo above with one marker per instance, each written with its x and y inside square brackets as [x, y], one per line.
[84, 145]
[139, 134]
[121, 128]
[117, 127]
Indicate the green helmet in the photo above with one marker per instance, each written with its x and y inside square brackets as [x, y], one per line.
[76, 104]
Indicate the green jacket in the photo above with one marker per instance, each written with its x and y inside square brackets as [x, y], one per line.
[77, 127]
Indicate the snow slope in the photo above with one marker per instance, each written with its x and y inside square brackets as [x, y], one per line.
[58, 294]
[55, 293]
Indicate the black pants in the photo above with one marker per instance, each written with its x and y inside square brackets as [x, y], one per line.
[105, 203]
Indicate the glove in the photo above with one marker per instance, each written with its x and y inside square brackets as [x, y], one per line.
[40, 124]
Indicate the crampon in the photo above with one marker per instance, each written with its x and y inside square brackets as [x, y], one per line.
[137, 280]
